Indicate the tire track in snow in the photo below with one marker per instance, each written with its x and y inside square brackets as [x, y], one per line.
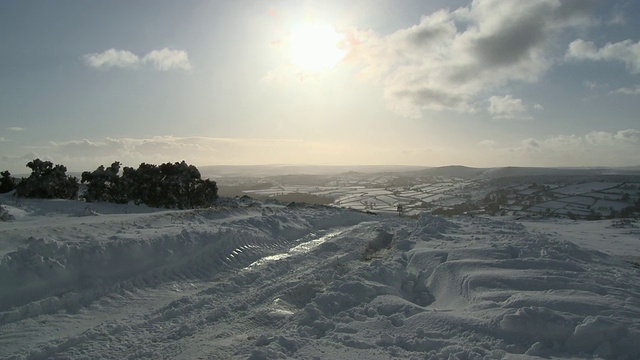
[185, 316]
[198, 257]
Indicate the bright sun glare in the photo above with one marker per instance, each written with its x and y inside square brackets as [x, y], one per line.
[316, 47]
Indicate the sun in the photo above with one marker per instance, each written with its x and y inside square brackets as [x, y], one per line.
[316, 47]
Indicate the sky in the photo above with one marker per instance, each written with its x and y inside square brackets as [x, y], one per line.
[484, 83]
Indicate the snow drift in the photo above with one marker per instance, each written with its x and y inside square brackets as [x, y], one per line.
[260, 281]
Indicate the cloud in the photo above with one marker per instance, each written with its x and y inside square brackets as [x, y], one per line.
[597, 148]
[630, 136]
[451, 57]
[628, 91]
[538, 107]
[530, 144]
[617, 18]
[167, 59]
[112, 58]
[3, 139]
[28, 156]
[162, 60]
[591, 85]
[599, 138]
[86, 154]
[16, 129]
[16, 163]
[625, 51]
[507, 108]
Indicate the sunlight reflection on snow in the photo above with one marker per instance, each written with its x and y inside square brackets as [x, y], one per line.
[303, 248]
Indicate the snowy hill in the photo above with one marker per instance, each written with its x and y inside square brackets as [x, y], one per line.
[252, 280]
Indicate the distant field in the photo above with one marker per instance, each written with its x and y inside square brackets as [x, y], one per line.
[567, 196]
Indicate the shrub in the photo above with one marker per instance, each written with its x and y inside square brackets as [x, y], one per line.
[105, 184]
[7, 182]
[177, 185]
[48, 182]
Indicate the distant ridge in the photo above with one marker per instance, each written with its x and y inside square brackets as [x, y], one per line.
[464, 172]
[276, 170]
[451, 171]
[511, 171]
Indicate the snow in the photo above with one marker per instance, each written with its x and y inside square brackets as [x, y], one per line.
[252, 280]
[578, 200]
[585, 188]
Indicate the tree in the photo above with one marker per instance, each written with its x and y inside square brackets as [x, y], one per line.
[184, 188]
[206, 192]
[105, 184]
[48, 182]
[593, 215]
[7, 182]
[170, 185]
[147, 187]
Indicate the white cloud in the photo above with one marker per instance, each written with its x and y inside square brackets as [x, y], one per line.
[538, 107]
[628, 91]
[16, 129]
[163, 60]
[617, 18]
[3, 139]
[630, 135]
[451, 57]
[563, 142]
[508, 108]
[599, 138]
[167, 59]
[112, 58]
[625, 51]
[591, 85]
[597, 148]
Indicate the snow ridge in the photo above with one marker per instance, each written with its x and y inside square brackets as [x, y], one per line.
[83, 271]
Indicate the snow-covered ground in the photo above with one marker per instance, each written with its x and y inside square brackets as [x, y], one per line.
[251, 280]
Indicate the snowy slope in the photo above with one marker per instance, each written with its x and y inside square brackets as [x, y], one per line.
[260, 281]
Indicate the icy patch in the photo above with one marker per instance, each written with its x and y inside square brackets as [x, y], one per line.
[300, 249]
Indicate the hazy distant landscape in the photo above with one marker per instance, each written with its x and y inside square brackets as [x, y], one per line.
[454, 190]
